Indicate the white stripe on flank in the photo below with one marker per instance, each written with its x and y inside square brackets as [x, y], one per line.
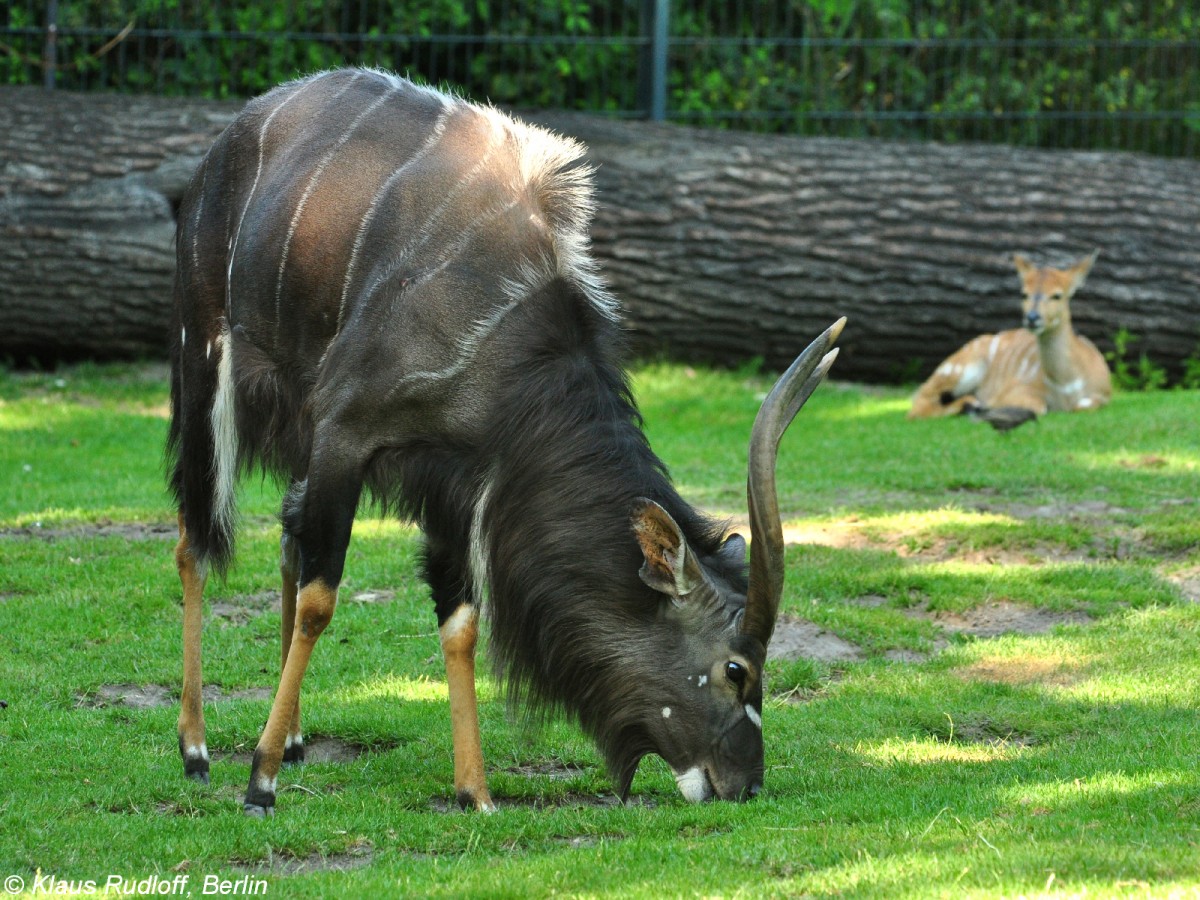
[262, 137]
[430, 142]
[312, 184]
[224, 432]
[196, 218]
[427, 230]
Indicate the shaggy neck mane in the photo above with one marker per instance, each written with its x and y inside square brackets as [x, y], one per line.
[574, 627]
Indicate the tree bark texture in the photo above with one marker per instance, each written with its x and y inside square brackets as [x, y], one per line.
[722, 246]
[89, 184]
[726, 245]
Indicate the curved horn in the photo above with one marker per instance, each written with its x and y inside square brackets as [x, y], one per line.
[766, 546]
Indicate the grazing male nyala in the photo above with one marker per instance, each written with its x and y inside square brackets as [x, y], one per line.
[1017, 375]
[382, 286]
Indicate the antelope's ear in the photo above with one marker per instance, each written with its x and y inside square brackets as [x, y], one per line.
[1023, 264]
[670, 566]
[1080, 270]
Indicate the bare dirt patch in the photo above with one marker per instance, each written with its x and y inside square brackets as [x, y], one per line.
[802, 639]
[357, 856]
[558, 771]
[152, 696]
[1022, 670]
[985, 731]
[317, 749]
[1188, 582]
[241, 608]
[1000, 617]
[130, 531]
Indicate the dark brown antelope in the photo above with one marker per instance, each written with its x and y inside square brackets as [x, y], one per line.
[1020, 374]
[381, 285]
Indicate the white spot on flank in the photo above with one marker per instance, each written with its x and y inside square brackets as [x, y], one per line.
[753, 716]
[666, 712]
[971, 377]
[1085, 402]
[693, 784]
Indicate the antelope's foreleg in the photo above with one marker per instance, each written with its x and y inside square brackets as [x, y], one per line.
[191, 707]
[315, 605]
[458, 634]
[318, 517]
[289, 570]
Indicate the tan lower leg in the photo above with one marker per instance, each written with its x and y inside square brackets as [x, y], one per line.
[315, 605]
[293, 750]
[458, 635]
[191, 708]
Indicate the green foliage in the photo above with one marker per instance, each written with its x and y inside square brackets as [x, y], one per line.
[1087, 74]
[1142, 374]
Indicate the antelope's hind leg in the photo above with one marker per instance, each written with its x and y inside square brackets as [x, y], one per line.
[318, 517]
[289, 571]
[191, 707]
[458, 627]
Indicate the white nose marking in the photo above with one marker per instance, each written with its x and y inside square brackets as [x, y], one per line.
[753, 716]
[693, 784]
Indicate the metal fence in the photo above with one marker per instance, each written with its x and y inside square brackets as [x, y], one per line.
[1088, 74]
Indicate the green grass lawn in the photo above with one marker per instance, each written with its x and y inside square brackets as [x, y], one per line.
[1017, 713]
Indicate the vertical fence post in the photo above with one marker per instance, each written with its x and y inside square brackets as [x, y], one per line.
[50, 51]
[652, 64]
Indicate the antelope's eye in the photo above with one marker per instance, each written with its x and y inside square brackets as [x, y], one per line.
[736, 673]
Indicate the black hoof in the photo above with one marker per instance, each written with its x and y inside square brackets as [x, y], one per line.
[260, 795]
[195, 763]
[197, 770]
[293, 754]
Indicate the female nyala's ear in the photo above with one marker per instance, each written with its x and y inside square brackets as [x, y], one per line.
[670, 566]
[1080, 270]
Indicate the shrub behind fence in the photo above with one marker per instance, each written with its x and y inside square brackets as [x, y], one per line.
[1084, 74]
